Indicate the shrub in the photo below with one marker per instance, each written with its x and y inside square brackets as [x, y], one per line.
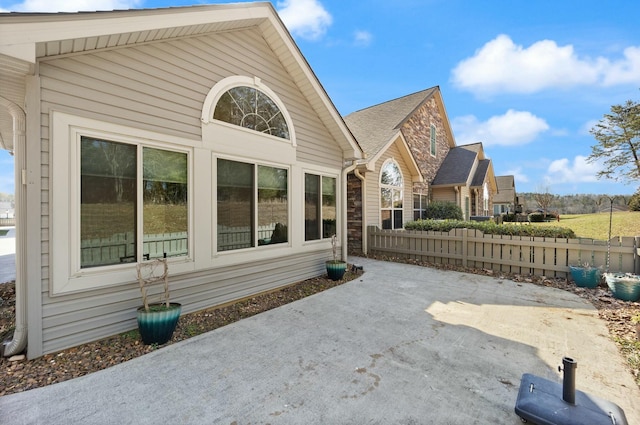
[491, 228]
[634, 202]
[438, 210]
[509, 218]
[536, 217]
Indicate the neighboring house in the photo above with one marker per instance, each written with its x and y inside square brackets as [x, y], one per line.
[466, 178]
[505, 200]
[199, 133]
[405, 140]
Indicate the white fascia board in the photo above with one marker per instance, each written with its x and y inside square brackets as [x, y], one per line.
[23, 51]
[354, 151]
[16, 34]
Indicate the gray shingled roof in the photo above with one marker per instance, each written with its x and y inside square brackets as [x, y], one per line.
[481, 173]
[374, 126]
[455, 168]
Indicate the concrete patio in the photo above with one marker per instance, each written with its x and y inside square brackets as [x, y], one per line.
[401, 344]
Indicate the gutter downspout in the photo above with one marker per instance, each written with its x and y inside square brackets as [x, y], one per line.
[363, 190]
[19, 341]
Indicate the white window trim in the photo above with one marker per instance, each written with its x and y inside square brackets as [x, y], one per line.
[66, 274]
[320, 173]
[214, 197]
[227, 84]
[400, 188]
[485, 198]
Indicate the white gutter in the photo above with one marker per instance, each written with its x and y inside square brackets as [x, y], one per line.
[344, 239]
[19, 341]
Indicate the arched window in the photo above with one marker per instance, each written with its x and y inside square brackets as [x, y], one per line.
[248, 103]
[391, 189]
[250, 108]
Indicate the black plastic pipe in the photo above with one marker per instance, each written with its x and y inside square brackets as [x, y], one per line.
[569, 383]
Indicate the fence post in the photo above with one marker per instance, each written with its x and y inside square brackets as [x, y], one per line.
[465, 232]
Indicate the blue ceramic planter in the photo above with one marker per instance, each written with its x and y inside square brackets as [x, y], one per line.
[586, 277]
[624, 286]
[336, 270]
[156, 326]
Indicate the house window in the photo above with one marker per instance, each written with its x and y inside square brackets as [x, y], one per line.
[253, 206]
[131, 193]
[391, 188]
[251, 108]
[319, 207]
[420, 203]
[485, 199]
[474, 201]
[433, 139]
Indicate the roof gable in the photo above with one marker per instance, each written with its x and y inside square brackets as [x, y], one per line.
[506, 190]
[375, 126]
[24, 37]
[456, 168]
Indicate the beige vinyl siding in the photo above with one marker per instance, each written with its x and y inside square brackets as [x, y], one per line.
[161, 87]
[104, 313]
[372, 201]
[443, 194]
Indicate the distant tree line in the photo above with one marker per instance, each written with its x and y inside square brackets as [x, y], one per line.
[7, 197]
[579, 203]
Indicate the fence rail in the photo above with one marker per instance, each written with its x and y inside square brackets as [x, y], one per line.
[121, 248]
[8, 221]
[511, 254]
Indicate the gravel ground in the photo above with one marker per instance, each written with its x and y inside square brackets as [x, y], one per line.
[22, 375]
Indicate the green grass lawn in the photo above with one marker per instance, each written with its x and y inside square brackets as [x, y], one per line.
[596, 226]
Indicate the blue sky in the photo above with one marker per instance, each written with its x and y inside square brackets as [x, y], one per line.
[528, 79]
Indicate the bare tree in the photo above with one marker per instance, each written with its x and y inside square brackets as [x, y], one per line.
[543, 199]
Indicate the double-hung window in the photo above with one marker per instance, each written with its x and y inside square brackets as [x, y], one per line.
[420, 202]
[252, 205]
[319, 207]
[133, 202]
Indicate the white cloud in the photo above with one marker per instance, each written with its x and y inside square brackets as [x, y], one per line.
[502, 66]
[578, 171]
[72, 5]
[305, 18]
[518, 175]
[512, 128]
[626, 71]
[362, 38]
[587, 126]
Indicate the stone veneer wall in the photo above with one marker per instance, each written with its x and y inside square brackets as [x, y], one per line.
[418, 135]
[354, 214]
